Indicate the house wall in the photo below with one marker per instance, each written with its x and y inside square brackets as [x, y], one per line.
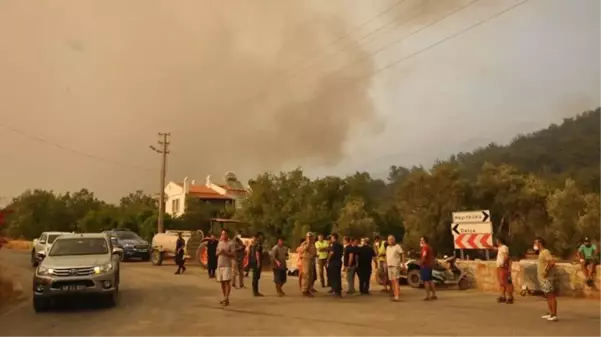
[175, 192]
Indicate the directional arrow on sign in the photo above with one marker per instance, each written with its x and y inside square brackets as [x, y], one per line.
[486, 216]
[471, 228]
[471, 216]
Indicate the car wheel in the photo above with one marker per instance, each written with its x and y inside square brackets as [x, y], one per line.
[414, 279]
[34, 260]
[40, 304]
[112, 298]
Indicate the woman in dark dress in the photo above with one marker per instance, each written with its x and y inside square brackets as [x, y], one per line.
[179, 254]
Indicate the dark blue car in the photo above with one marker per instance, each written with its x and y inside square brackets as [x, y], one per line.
[134, 247]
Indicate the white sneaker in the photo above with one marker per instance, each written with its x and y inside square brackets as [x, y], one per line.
[547, 316]
[552, 318]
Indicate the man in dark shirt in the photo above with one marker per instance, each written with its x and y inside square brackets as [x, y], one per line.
[365, 259]
[350, 262]
[254, 259]
[335, 265]
[180, 259]
[211, 254]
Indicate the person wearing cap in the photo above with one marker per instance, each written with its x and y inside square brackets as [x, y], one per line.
[588, 260]
[322, 247]
[308, 254]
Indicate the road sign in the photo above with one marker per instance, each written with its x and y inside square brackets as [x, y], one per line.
[471, 228]
[473, 241]
[471, 216]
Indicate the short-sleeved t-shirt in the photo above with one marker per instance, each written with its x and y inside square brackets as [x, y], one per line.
[337, 252]
[502, 252]
[393, 255]
[255, 248]
[320, 245]
[427, 256]
[544, 258]
[279, 254]
[224, 260]
[587, 251]
[348, 250]
[365, 258]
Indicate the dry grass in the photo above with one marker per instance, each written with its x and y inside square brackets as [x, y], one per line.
[18, 245]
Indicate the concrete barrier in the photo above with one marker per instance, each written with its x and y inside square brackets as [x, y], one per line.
[483, 276]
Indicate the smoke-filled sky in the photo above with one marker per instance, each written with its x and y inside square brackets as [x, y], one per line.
[259, 85]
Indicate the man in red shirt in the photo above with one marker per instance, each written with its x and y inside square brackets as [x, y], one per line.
[425, 270]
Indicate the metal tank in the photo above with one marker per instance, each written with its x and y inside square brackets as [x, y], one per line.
[164, 244]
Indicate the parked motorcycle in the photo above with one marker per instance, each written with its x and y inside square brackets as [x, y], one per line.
[441, 275]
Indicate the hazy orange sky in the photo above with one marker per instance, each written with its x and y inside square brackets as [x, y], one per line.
[261, 85]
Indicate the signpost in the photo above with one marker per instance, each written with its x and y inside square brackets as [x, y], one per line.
[472, 230]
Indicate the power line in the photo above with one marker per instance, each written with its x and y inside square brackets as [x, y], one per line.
[72, 150]
[450, 37]
[290, 71]
[267, 91]
[396, 42]
[357, 28]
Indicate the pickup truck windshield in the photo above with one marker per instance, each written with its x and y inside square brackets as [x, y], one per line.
[79, 246]
[52, 237]
[123, 235]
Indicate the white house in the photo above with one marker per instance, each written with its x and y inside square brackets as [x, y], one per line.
[176, 193]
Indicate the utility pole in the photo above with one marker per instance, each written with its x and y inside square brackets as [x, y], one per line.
[163, 150]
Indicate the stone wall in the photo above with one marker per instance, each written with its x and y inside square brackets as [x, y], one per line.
[483, 276]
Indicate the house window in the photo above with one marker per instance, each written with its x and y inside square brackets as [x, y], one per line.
[175, 206]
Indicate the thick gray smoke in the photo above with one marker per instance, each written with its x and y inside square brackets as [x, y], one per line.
[255, 92]
[241, 85]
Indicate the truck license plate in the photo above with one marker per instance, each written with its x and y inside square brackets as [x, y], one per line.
[73, 287]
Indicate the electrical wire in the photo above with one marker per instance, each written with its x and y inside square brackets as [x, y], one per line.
[72, 150]
[255, 98]
[356, 29]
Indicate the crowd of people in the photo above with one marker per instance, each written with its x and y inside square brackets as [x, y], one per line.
[325, 259]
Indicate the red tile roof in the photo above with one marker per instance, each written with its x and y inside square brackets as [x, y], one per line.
[204, 192]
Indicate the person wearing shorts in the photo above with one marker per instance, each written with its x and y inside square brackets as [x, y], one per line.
[504, 272]
[225, 253]
[425, 270]
[588, 260]
[279, 258]
[546, 278]
[395, 260]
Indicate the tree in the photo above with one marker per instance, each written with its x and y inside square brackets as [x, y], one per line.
[517, 203]
[574, 215]
[426, 201]
[354, 220]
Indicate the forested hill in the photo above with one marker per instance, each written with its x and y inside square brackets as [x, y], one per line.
[570, 150]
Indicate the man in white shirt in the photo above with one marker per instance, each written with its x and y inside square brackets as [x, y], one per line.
[504, 272]
[395, 260]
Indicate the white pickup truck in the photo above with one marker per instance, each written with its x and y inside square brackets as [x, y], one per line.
[41, 246]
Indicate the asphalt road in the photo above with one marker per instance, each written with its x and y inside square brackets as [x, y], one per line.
[153, 301]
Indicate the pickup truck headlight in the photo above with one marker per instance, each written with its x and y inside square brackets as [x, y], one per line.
[43, 271]
[103, 268]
